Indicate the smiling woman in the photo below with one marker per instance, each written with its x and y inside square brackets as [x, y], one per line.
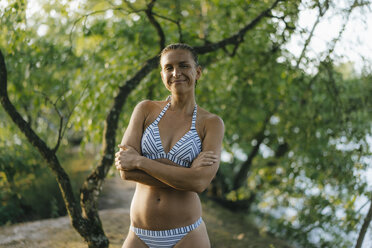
[172, 150]
[179, 70]
[180, 67]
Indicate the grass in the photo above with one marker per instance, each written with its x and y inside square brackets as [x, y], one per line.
[234, 230]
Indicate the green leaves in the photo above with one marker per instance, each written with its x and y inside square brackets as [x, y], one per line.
[289, 127]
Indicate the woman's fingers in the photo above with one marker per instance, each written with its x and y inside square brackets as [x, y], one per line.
[124, 147]
[208, 154]
[206, 163]
[211, 157]
[117, 160]
[118, 165]
[120, 153]
[209, 161]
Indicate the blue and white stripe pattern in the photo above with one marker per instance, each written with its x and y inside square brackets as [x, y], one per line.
[165, 238]
[182, 153]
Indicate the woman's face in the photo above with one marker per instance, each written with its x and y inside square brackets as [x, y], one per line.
[179, 70]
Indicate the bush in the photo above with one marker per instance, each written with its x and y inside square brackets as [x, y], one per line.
[29, 190]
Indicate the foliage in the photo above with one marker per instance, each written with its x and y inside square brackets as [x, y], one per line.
[28, 190]
[297, 139]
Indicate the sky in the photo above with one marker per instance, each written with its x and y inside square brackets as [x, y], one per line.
[354, 44]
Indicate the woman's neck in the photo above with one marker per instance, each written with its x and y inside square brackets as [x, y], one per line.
[185, 103]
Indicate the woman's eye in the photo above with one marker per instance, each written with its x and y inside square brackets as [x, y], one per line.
[168, 68]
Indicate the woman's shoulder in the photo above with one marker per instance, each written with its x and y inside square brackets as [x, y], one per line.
[150, 105]
[209, 118]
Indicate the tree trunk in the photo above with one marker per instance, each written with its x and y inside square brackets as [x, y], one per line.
[363, 230]
[241, 175]
[90, 229]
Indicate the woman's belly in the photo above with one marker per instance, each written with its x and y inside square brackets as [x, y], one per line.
[155, 208]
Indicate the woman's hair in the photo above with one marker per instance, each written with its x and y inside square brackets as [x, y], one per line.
[183, 46]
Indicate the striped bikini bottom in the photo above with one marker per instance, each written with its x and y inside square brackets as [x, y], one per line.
[165, 238]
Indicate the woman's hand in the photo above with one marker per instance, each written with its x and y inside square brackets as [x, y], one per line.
[206, 158]
[126, 158]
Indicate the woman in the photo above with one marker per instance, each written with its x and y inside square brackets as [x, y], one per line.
[172, 150]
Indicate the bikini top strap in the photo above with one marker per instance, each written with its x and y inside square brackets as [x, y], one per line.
[193, 123]
[161, 114]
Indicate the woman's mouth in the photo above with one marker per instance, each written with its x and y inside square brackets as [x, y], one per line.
[178, 81]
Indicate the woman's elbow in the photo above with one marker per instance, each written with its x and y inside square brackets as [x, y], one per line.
[200, 186]
[200, 190]
[124, 175]
[202, 181]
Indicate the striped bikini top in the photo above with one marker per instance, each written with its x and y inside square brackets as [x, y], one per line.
[182, 153]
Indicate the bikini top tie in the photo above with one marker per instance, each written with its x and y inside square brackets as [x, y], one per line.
[182, 153]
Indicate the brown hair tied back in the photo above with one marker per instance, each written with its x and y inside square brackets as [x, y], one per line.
[183, 46]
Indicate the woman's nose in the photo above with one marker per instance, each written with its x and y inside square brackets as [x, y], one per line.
[176, 72]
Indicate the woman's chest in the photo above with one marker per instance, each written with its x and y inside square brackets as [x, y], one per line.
[172, 128]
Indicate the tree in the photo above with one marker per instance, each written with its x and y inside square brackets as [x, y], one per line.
[364, 228]
[102, 58]
[85, 217]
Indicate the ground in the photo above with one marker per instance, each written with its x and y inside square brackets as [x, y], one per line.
[226, 230]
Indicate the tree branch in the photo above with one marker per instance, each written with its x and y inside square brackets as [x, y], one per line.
[86, 227]
[237, 38]
[342, 30]
[242, 173]
[48, 154]
[363, 230]
[60, 133]
[173, 21]
[309, 38]
[156, 24]
[281, 150]
[96, 12]
[92, 185]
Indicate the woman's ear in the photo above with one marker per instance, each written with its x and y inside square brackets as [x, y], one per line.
[199, 71]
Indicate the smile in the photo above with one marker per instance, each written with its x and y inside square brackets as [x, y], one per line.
[178, 81]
